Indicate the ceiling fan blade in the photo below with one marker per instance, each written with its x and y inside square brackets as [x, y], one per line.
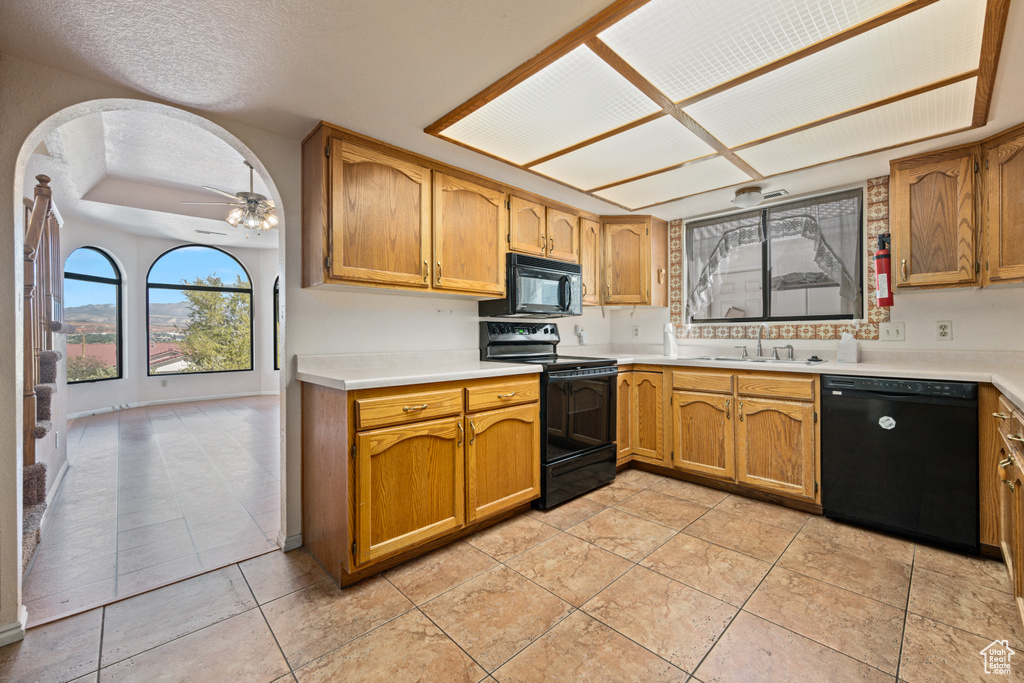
[214, 189]
[216, 203]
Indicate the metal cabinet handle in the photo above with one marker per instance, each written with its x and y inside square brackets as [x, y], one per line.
[472, 433]
[741, 411]
[551, 244]
[425, 275]
[462, 433]
[1015, 437]
[584, 289]
[1008, 483]
[727, 402]
[661, 275]
[1001, 416]
[1004, 463]
[608, 289]
[409, 409]
[508, 395]
[438, 270]
[903, 269]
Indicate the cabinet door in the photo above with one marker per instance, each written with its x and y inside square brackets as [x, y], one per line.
[775, 446]
[624, 437]
[469, 236]
[933, 220]
[702, 434]
[626, 263]
[1016, 477]
[1006, 518]
[380, 217]
[409, 486]
[647, 415]
[563, 236]
[527, 229]
[502, 460]
[1004, 210]
[590, 260]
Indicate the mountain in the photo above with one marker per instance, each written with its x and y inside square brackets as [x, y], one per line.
[90, 313]
[160, 315]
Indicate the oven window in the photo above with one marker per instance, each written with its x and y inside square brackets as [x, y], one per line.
[580, 416]
[538, 291]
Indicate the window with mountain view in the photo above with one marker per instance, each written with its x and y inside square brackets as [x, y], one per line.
[199, 302]
[92, 303]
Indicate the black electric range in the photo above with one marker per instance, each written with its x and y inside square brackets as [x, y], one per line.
[577, 411]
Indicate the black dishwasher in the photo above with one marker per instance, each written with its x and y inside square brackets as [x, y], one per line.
[901, 456]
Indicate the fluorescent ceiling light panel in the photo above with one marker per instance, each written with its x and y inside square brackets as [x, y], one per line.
[575, 98]
[932, 113]
[694, 178]
[659, 144]
[935, 43]
[685, 48]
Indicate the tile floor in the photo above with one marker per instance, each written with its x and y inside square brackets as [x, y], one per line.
[648, 579]
[154, 495]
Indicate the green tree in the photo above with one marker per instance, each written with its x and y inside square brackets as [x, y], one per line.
[82, 368]
[217, 336]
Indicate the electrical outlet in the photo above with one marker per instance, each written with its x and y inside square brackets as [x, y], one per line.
[163, 383]
[636, 331]
[892, 332]
[944, 330]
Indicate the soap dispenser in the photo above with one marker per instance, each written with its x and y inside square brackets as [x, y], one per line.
[671, 346]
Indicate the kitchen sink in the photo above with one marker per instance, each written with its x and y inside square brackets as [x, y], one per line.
[761, 359]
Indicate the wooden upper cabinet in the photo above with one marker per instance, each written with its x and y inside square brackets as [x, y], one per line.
[775, 446]
[527, 227]
[626, 263]
[563, 236]
[502, 460]
[380, 217]
[409, 486]
[1004, 207]
[647, 416]
[933, 219]
[624, 436]
[703, 435]
[470, 224]
[590, 260]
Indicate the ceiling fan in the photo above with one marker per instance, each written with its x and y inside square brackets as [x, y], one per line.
[252, 210]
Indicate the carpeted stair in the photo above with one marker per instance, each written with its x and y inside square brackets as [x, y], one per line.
[33, 506]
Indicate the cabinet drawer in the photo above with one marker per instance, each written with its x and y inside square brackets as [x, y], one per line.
[499, 394]
[395, 410]
[799, 388]
[1008, 417]
[714, 382]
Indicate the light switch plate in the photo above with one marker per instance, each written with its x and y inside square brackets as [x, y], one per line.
[892, 332]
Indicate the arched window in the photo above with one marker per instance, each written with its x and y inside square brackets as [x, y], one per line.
[199, 312]
[277, 323]
[92, 303]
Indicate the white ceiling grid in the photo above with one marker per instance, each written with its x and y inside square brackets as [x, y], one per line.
[695, 178]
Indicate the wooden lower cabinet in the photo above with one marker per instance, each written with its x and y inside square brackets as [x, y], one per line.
[703, 435]
[409, 486]
[775, 446]
[502, 460]
[647, 416]
[624, 421]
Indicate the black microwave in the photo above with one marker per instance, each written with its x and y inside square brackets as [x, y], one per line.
[537, 288]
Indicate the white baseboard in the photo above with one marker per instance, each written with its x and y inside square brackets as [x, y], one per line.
[15, 631]
[160, 402]
[289, 542]
[57, 481]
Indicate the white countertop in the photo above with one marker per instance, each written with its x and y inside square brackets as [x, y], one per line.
[369, 371]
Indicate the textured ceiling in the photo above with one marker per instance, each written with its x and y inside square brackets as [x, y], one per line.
[386, 68]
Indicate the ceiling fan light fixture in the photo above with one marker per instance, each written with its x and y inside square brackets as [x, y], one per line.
[748, 197]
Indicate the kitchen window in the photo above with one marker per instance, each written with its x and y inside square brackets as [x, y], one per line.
[199, 312]
[795, 261]
[92, 303]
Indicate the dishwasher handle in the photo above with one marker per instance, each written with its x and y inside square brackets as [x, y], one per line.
[893, 397]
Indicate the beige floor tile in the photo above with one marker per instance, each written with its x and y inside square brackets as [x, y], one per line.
[937, 653]
[735, 531]
[427, 577]
[278, 573]
[58, 651]
[860, 540]
[967, 606]
[701, 495]
[93, 677]
[623, 534]
[507, 539]
[615, 492]
[873, 576]
[143, 556]
[635, 477]
[860, 627]
[720, 572]
[753, 649]
[662, 508]
[670, 619]
[157, 575]
[568, 514]
[571, 568]
[240, 648]
[317, 619]
[409, 648]
[583, 649]
[145, 621]
[237, 551]
[145, 535]
[93, 570]
[70, 601]
[979, 570]
[495, 615]
[768, 513]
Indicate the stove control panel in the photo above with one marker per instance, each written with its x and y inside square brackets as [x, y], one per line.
[518, 332]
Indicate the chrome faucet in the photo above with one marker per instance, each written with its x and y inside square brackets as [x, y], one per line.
[760, 331]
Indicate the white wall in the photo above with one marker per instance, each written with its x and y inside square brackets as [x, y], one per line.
[134, 255]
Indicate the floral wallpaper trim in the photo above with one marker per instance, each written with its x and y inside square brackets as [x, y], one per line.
[876, 211]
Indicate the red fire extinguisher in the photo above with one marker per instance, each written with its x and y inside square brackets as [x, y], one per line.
[883, 279]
